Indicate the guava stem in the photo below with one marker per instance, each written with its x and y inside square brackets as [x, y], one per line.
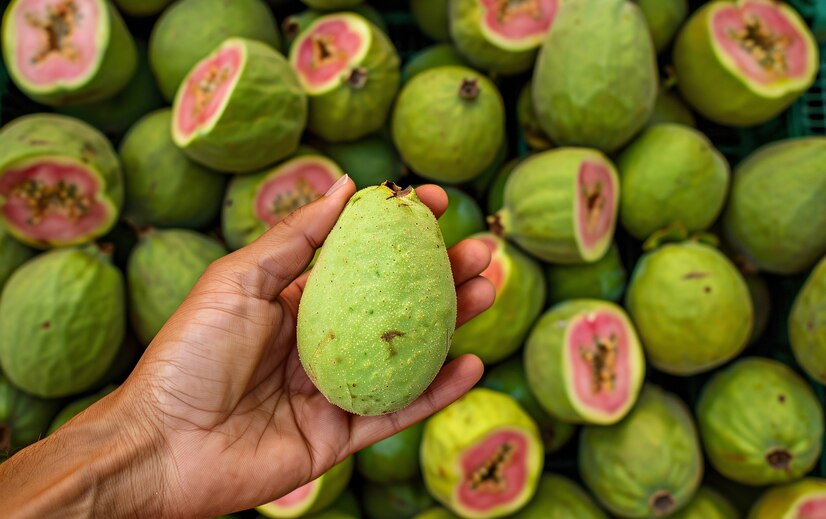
[398, 192]
[469, 89]
[662, 503]
[498, 223]
[779, 458]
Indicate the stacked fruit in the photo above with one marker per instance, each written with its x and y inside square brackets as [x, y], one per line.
[262, 122]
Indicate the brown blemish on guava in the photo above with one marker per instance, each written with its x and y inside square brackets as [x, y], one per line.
[779, 459]
[661, 503]
[56, 31]
[46, 325]
[781, 398]
[490, 476]
[602, 359]
[767, 48]
[62, 198]
[469, 89]
[389, 335]
[695, 275]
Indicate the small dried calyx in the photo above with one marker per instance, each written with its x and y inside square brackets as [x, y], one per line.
[767, 48]
[602, 359]
[662, 503]
[490, 476]
[57, 28]
[469, 89]
[779, 459]
[42, 199]
[398, 192]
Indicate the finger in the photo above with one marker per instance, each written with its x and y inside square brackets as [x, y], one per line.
[468, 259]
[282, 253]
[455, 379]
[473, 298]
[433, 197]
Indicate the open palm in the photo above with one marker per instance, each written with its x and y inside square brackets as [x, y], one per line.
[222, 387]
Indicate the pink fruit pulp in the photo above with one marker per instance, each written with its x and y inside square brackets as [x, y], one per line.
[494, 273]
[35, 23]
[596, 204]
[325, 54]
[197, 107]
[510, 480]
[583, 337]
[519, 23]
[812, 508]
[731, 20]
[53, 218]
[296, 497]
[303, 181]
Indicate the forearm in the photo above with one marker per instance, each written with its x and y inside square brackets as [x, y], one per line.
[103, 464]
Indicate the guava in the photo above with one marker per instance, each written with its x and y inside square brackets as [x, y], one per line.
[648, 465]
[392, 460]
[760, 422]
[500, 36]
[561, 205]
[482, 455]
[807, 324]
[761, 300]
[775, 220]
[691, 307]
[368, 161]
[462, 218]
[395, 500]
[469, 114]
[75, 408]
[216, 118]
[438, 55]
[315, 496]
[64, 52]
[432, 18]
[496, 190]
[115, 115]
[60, 181]
[557, 497]
[161, 271]
[707, 504]
[189, 29]
[23, 418]
[671, 175]
[742, 63]
[664, 18]
[294, 24]
[256, 202]
[436, 513]
[12, 255]
[509, 377]
[803, 499]
[595, 80]
[142, 7]
[480, 185]
[670, 108]
[350, 72]
[62, 321]
[584, 362]
[520, 296]
[602, 279]
[532, 131]
[373, 333]
[164, 187]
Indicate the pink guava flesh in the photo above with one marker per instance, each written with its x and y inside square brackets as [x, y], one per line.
[600, 361]
[494, 471]
[296, 497]
[325, 53]
[293, 186]
[518, 19]
[52, 201]
[763, 43]
[55, 40]
[596, 211]
[206, 88]
[494, 273]
[814, 508]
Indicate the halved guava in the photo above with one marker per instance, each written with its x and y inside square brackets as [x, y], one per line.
[63, 52]
[60, 181]
[743, 62]
[256, 202]
[482, 455]
[561, 205]
[803, 499]
[217, 116]
[313, 496]
[350, 71]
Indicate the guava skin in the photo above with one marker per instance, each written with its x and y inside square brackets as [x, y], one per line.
[807, 324]
[75, 408]
[664, 18]
[394, 459]
[671, 175]
[496, 190]
[557, 497]
[164, 188]
[381, 349]
[648, 465]
[188, 29]
[589, 97]
[532, 131]
[691, 307]
[438, 55]
[775, 221]
[67, 307]
[329, 487]
[603, 279]
[761, 300]
[436, 513]
[395, 500]
[670, 108]
[785, 500]
[458, 427]
[12, 255]
[760, 422]
[368, 161]
[470, 113]
[161, 271]
[707, 504]
[462, 217]
[432, 18]
[23, 418]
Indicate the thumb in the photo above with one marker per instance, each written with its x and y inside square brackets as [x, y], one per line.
[283, 252]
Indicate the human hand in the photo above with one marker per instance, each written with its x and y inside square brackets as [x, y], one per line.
[222, 393]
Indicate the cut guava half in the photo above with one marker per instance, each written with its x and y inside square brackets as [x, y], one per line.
[516, 24]
[596, 208]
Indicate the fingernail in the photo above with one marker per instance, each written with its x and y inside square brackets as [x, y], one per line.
[335, 187]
